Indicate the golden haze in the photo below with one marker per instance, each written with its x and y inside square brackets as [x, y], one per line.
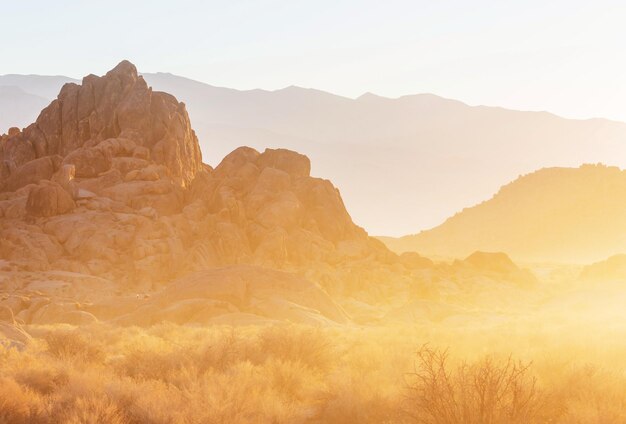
[141, 285]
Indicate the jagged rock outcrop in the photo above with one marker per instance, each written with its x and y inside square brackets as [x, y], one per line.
[105, 200]
[109, 183]
[118, 106]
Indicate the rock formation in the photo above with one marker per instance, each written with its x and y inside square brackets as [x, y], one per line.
[237, 292]
[118, 106]
[108, 183]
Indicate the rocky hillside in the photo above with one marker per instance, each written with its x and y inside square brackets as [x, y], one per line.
[108, 213]
[107, 190]
[110, 178]
[555, 214]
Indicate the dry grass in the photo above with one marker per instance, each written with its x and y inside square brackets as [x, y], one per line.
[299, 374]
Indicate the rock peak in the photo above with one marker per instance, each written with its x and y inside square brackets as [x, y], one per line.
[109, 182]
[124, 67]
[118, 105]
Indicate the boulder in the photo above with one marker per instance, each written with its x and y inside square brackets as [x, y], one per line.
[64, 176]
[141, 152]
[48, 200]
[235, 160]
[254, 289]
[325, 211]
[89, 162]
[99, 184]
[6, 315]
[496, 262]
[17, 150]
[32, 172]
[128, 164]
[118, 146]
[28, 246]
[414, 260]
[293, 163]
[13, 336]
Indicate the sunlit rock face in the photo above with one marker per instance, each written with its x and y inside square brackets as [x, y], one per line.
[119, 106]
[109, 183]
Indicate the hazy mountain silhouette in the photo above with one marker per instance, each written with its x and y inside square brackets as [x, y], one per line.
[554, 214]
[46, 86]
[23, 96]
[16, 105]
[401, 164]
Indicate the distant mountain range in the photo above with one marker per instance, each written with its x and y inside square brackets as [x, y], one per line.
[17, 106]
[401, 164]
[575, 215]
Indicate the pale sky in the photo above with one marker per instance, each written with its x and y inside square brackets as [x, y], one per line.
[567, 57]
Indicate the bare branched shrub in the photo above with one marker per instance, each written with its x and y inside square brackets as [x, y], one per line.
[485, 392]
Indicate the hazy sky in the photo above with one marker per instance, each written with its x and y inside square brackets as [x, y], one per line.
[567, 57]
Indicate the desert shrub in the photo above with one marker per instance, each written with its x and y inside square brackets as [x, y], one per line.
[484, 392]
[71, 345]
[220, 352]
[357, 400]
[307, 345]
[92, 409]
[41, 379]
[15, 402]
[589, 393]
[151, 364]
[299, 374]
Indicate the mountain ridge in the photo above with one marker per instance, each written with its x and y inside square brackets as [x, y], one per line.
[558, 214]
[412, 140]
[5, 78]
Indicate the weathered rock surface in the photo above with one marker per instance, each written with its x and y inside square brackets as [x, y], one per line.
[273, 294]
[119, 105]
[108, 185]
[89, 161]
[48, 200]
[12, 335]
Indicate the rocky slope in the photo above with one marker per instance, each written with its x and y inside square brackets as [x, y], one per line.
[107, 190]
[108, 213]
[566, 215]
